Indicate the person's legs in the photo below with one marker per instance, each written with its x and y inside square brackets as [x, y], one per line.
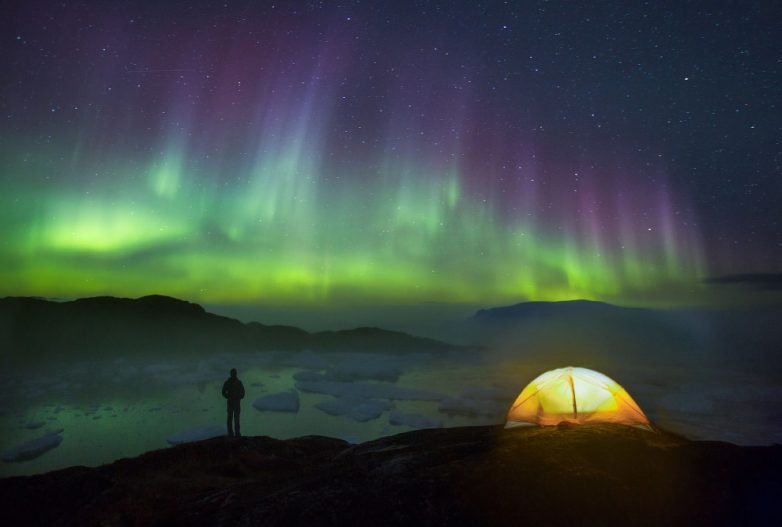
[230, 419]
[237, 411]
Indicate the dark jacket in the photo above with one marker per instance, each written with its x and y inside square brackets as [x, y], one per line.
[233, 389]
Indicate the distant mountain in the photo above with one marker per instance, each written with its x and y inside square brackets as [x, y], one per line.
[570, 308]
[585, 332]
[33, 328]
[470, 476]
[606, 335]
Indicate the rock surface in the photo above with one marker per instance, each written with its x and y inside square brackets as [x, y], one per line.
[588, 475]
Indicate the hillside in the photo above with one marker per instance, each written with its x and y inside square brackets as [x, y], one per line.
[591, 475]
[33, 329]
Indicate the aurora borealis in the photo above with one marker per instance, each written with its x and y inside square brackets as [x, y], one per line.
[360, 153]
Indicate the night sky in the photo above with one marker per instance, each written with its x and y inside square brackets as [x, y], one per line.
[346, 153]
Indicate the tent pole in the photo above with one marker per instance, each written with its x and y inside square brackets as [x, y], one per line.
[573, 391]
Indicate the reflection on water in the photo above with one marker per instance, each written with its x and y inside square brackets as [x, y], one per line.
[123, 408]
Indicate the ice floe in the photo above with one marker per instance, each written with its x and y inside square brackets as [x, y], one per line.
[364, 369]
[397, 418]
[309, 375]
[196, 434]
[33, 449]
[369, 390]
[490, 393]
[278, 402]
[303, 359]
[360, 410]
[472, 408]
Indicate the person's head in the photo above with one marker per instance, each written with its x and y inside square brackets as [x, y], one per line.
[233, 372]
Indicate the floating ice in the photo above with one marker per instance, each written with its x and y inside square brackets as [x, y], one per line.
[278, 402]
[472, 408]
[413, 420]
[157, 369]
[129, 371]
[33, 449]
[304, 359]
[368, 390]
[360, 410]
[352, 371]
[309, 375]
[196, 434]
[363, 369]
[502, 395]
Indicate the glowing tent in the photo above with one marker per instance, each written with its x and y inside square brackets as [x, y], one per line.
[574, 395]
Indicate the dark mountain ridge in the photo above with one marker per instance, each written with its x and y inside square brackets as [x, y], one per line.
[745, 337]
[549, 309]
[33, 328]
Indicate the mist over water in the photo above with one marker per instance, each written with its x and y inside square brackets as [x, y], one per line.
[120, 407]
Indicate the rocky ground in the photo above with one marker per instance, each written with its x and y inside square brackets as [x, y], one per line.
[588, 475]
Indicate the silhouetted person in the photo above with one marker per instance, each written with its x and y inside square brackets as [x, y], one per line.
[233, 390]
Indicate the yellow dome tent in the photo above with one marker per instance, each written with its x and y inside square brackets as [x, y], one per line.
[574, 395]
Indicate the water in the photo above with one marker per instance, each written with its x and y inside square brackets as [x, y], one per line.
[120, 408]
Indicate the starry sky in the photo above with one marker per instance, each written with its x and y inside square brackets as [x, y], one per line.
[348, 153]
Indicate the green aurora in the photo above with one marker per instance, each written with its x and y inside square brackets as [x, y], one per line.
[285, 233]
[252, 180]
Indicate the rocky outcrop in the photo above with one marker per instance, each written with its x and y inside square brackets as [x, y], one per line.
[588, 475]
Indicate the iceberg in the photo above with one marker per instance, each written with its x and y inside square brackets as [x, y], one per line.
[360, 410]
[278, 402]
[33, 449]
